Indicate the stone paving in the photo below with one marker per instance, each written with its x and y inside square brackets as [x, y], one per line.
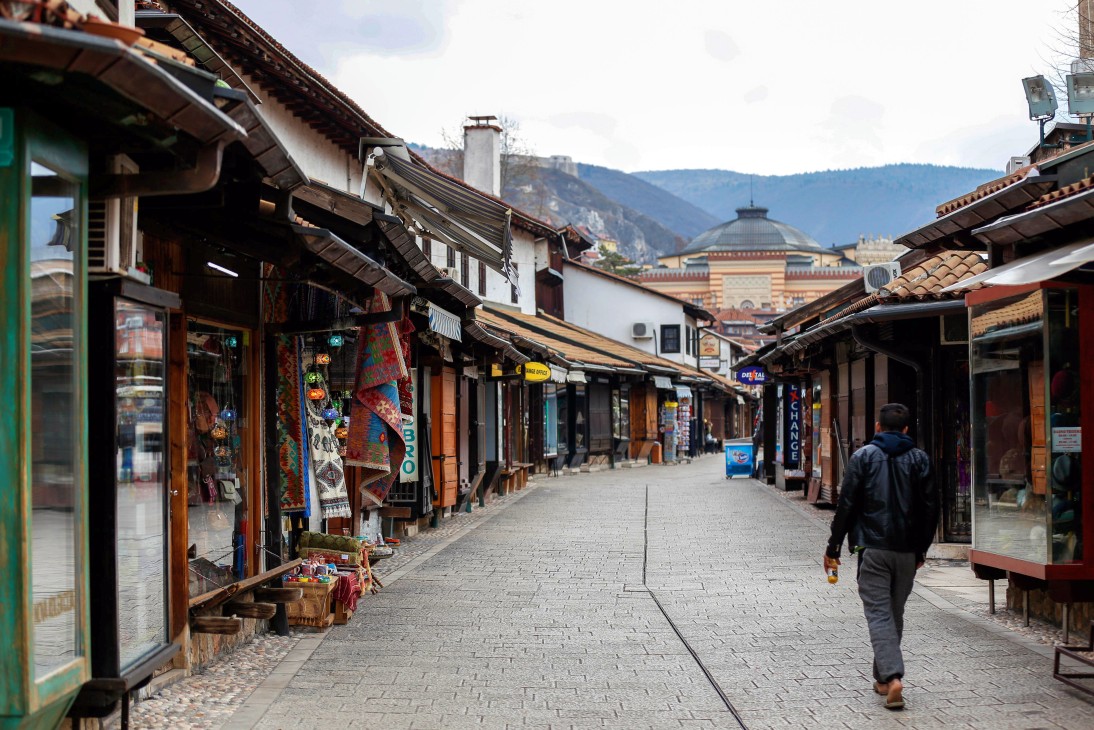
[538, 617]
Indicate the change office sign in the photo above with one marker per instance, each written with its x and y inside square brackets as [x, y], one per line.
[793, 438]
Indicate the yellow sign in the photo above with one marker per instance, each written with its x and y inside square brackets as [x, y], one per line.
[495, 370]
[536, 372]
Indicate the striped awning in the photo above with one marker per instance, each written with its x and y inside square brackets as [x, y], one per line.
[446, 209]
[441, 321]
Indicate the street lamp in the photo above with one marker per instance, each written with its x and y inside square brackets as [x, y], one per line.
[1040, 97]
[1080, 94]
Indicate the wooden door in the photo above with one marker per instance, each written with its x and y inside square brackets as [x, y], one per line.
[444, 452]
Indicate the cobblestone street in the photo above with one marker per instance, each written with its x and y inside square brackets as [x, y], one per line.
[538, 617]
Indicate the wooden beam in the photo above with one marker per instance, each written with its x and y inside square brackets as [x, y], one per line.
[246, 609]
[278, 595]
[216, 625]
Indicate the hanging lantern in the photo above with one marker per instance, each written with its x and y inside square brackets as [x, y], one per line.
[219, 432]
[341, 432]
[322, 358]
[336, 340]
[222, 451]
[231, 341]
[330, 413]
[316, 394]
[228, 414]
[312, 377]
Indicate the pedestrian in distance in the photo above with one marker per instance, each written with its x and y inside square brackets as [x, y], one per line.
[888, 510]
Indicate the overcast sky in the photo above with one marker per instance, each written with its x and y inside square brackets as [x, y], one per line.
[758, 87]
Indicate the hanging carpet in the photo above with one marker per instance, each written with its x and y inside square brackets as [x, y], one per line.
[293, 474]
[328, 476]
[375, 440]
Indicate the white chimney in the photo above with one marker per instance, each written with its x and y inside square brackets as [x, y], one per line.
[482, 155]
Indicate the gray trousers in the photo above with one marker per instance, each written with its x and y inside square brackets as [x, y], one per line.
[885, 581]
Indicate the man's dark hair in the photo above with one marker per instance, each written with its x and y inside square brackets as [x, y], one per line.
[894, 417]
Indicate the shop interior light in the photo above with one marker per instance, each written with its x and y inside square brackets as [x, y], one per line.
[221, 269]
[1040, 97]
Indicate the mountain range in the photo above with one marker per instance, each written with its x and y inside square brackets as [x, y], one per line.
[654, 213]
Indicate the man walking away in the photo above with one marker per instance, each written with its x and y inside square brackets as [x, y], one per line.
[889, 507]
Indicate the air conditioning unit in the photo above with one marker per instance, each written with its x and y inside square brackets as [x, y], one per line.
[1017, 163]
[876, 276]
[642, 330]
[112, 238]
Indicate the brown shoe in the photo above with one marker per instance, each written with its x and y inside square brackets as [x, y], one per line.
[894, 697]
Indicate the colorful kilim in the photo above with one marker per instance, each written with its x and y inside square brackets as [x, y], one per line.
[406, 394]
[375, 440]
[292, 455]
[328, 476]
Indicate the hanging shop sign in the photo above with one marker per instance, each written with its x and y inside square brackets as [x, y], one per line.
[793, 454]
[409, 470]
[710, 363]
[752, 375]
[709, 346]
[535, 372]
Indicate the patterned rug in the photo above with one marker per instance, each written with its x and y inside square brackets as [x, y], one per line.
[375, 440]
[328, 476]
[292, 456]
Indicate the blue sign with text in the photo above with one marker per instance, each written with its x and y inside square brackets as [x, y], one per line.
[752, 375]
[793, 455]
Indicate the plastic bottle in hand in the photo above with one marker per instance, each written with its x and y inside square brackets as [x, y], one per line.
[833, 574]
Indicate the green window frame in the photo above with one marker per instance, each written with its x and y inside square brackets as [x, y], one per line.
[43, 148]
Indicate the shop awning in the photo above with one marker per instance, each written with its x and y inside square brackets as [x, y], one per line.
[441, 321]
[130, 72]
[1034, 269]
[261, 141]
[740, 401]
[446, 209]
[558, 375]
[683, 391]
[576, 376]
[480, 334]
[350, 260]
[662, 383]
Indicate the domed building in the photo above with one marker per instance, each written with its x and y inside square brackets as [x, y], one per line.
[751, 262]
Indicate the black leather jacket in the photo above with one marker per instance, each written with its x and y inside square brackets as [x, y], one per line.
[887, 499]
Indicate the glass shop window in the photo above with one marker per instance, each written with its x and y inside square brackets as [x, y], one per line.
[670, 338]
[580, 421]
[563, 419]
[621, 414]
[550, 419]
[1026, 427]
[216, 456]
[55, 472]
[141, 474]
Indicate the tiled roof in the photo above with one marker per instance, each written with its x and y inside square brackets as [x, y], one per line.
[983, 191]
[569, 351]
[1065, 192]
[927, 279]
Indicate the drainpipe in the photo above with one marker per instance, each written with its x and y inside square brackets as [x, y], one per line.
[916, 365]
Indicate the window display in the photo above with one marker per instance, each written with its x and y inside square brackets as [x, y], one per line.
[1026, 428]
[216, 463]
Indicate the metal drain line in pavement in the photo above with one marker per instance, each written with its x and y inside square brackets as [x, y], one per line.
[691, 650]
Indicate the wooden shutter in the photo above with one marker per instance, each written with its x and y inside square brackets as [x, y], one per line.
[446, 465]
